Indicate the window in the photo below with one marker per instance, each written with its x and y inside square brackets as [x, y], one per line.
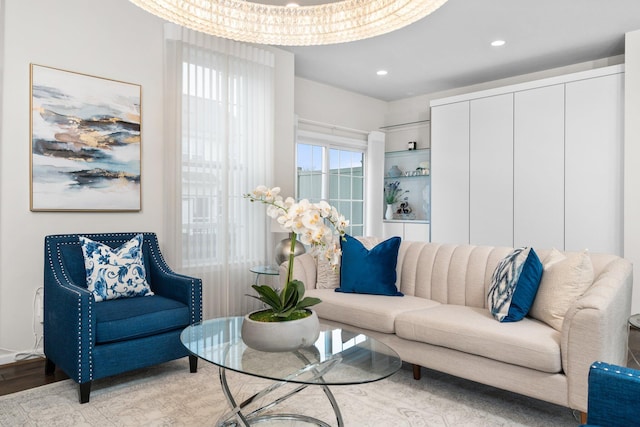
[335, 173]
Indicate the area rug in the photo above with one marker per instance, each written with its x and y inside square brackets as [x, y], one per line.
[168, 395]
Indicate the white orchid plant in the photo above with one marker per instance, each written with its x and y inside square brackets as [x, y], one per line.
[311, 223]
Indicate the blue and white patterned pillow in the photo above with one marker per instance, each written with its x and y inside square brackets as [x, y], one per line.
[115, 273]
[514, 285]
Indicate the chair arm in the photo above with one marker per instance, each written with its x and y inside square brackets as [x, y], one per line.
[69, 326]
[167, 283]
[595, 328]
[613, 395]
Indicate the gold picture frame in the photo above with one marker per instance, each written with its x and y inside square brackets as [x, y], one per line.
[85, 142]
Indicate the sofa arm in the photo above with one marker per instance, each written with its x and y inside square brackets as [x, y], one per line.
[595, 328]
[304, 269]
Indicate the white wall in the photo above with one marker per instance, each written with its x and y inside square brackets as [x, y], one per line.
[632, 160]
[76, 35]
[327, 104]
[112, 39]
[417, 107]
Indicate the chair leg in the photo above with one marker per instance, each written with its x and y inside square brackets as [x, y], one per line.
[193, 363]
[49, 367]
[85, 390]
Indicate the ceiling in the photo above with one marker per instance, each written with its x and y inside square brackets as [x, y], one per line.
[451, 47]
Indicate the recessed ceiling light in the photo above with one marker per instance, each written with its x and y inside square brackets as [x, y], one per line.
[497, 43]
[292, 4]
[382, 72]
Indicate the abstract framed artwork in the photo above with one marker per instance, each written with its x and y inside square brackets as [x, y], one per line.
[85, 142]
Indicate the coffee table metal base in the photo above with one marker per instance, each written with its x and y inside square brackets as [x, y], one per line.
[238, 416]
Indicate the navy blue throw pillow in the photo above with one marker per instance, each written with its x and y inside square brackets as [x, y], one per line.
[364, 271]
[514, 285]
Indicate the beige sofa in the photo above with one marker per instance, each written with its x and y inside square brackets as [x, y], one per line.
[443, 322]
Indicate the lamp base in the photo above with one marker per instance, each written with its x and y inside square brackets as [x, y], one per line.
[283, 249]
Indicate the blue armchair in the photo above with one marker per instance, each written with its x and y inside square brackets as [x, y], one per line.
[614, 396]
[89, 340]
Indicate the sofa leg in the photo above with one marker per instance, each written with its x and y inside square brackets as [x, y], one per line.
[193, 364]
[583, 417]
[416, 372]
[85, 390]
[49, 367]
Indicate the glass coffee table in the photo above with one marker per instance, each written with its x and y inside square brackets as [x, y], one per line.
[338, 357]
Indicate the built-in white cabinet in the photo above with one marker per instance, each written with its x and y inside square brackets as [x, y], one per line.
[415, 231]
[450, 173]
[536, 164]
[594, 164]
[491, 171]
[538, 167]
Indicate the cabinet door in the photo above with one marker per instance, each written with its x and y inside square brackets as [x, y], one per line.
[416, 232]
[594, 164]
[391, 229]
[450, 173]
[538, 171]
[491, 171]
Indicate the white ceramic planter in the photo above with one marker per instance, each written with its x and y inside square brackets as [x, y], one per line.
[281, 336]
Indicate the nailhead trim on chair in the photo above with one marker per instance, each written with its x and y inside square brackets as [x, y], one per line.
[157, 256]
[119, 238]
[617, 371]
[55, 275]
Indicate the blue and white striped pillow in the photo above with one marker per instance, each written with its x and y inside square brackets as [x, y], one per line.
[514, 285]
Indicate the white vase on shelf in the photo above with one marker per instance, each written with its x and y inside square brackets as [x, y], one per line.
[389, 212]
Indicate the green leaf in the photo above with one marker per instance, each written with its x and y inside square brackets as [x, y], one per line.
[299, 287]
[269, 296]
[290, 297]
[308, 302]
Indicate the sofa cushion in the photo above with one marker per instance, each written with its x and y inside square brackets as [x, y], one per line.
[514, 285]
[115, 273]
[528, 343]
[367, 271]
[564, 279]
[373, 312]
[129, 318]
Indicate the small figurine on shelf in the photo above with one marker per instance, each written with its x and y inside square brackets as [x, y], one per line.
[411, 145]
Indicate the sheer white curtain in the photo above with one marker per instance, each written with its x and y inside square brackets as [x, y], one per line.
[219, 123]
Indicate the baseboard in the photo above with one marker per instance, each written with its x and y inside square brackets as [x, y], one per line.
[11, 357]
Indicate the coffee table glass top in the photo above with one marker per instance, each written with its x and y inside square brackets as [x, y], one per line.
[342, 356]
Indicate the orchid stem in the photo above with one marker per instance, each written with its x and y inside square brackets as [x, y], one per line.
[292, 250]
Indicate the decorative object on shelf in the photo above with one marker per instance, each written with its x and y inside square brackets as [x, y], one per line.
[411, 145]
[283, 249]
[308, 221]
[388, 214]
[395, 171]
[404, 208]
[393, 193]
[308, 25]
[85, 142]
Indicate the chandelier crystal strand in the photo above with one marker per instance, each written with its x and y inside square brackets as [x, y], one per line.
[326, 23]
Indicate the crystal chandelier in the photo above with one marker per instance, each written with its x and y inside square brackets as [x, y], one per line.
[326, 23]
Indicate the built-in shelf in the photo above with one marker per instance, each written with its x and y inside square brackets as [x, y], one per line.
[418, 122]
[418, 186]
